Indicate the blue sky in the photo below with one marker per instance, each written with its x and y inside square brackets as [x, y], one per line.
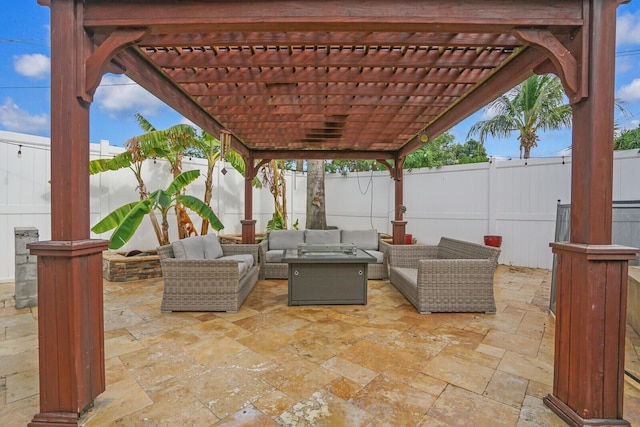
[25, 94]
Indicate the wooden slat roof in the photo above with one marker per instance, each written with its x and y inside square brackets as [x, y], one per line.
[329, 79]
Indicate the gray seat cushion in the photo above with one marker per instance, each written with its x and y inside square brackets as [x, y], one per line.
[274, 255]
[408, 274]
[379, 256]
[363, 239]
[285, 239]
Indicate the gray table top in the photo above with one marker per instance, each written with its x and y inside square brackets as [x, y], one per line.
[292, 256]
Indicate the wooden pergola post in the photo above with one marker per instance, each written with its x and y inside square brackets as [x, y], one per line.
[588, 380]
[398, 223]
[248, 223]
[70, 310]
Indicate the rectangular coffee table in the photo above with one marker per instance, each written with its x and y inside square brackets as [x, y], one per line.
[327, 278]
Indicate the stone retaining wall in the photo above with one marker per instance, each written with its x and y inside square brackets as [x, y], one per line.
[26, 267]
[119, 268]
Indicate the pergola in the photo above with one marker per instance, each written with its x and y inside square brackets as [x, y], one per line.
[339, 79]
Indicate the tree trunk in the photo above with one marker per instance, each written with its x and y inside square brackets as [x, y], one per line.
[528, 140]
[208, 193]
[316, 212]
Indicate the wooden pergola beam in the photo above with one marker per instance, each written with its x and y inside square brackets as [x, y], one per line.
[475, 16]
[333, 38]
[340, 57]
[339, 110]
[335, 100]
[322, 154]
[315, 88]
[329, 75]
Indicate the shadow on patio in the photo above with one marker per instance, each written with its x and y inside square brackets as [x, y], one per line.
[270, 364]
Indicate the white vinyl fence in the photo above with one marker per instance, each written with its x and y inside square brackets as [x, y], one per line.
[512, 198]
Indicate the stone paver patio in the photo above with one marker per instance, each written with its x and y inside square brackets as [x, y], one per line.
[382, 364]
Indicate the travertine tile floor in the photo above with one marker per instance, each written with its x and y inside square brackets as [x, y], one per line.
[381, 364]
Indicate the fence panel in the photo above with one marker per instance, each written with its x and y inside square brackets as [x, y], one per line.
[510, 198]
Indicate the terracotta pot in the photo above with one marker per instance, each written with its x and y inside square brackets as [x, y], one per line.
[495, 241]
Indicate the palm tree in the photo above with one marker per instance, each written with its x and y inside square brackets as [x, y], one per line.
[537, 104]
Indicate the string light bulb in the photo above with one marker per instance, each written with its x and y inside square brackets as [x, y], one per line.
[19, 151]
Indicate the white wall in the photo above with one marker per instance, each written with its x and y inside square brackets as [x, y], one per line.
[510, 198]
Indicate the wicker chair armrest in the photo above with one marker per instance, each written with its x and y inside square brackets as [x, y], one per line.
[243, 248]
[263, 247]
[384, 247]
[407, 256]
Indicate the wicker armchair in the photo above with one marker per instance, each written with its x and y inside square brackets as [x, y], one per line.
[454, 276]
[206, 284]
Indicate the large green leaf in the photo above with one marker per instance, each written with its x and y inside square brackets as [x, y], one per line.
[237, 162]
[129, 224]
[182, 180]
[161, 198]
[121, 161]
[112, 220]
[174, 140]
[144, 123]
[202, 209]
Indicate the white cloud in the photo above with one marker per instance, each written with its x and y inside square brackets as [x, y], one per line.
[628, 29]
[14, 119]
[630, 92]
[119, 96]
[628, 125]
[33, 65]
[489, 112]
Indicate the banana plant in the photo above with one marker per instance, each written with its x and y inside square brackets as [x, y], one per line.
[208, 146]
[126, 219]
[139, 149]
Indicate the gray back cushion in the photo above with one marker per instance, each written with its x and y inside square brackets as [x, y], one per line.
[321, 236]
[178, 250]
[212, 247]
[363, 239]
[285, 239]
[197, 247]
[189, 248]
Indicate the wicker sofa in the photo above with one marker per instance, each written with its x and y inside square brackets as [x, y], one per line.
[454, 276]
[272, 248]
[200, 274]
